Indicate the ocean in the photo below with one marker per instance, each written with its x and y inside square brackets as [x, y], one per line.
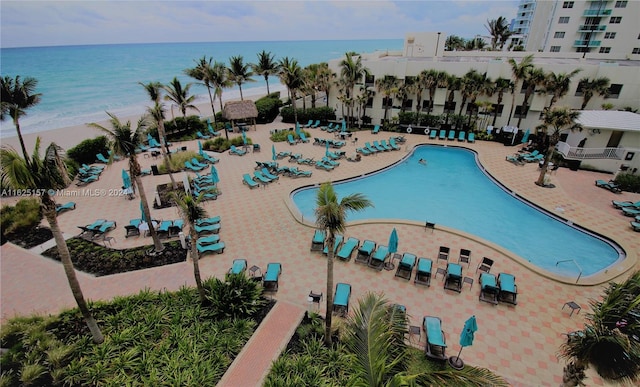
[79, 83]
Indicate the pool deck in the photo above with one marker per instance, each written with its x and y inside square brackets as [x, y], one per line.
[518, 342]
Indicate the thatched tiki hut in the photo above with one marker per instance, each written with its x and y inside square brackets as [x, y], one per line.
[239, 112]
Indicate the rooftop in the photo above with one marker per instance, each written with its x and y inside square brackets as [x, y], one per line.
[610, 119]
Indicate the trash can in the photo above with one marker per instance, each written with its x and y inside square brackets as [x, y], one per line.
[154, 170]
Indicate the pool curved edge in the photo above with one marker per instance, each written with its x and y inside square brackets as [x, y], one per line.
[619, 268]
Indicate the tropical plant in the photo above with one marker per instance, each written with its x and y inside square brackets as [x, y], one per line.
[351, 72]
[473, 85]
[324, 81]
[499, 31]
[501, 86]
[519, 73]
[558, 85]
[125, 140]
[452, 83]
[331, 216]
[362, 99]
[239, 72]
[534, 78]
[557, 120]
[44, 174]
[236, 297]
[476, 43]
[179, 96]
[454, 43]
[18, 96]
[432, 79]
[291, 76]
[590, 87]
[205, 72]
[266, 66]
[609, 341]
[388, 86]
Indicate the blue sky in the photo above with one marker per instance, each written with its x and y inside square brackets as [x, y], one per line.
[49, 23]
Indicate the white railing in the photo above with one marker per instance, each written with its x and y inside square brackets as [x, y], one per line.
[576, 153]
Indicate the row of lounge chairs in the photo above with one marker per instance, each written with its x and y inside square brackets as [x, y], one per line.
[293, 141]
[88, 174]
[381, 146]
[196, 165]
[96, 229]
[502, 289]
[442, 135]
[311, 124]
[332, 143]
[631, 209]
[610, 185]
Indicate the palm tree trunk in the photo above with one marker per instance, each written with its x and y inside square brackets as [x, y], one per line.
[16, 122]
[495, 111]
[266, 79]
[49, 209]
[196, 266]
[157, 245]
[329, 306]
[543, 170]
[165, 154]
[293, 105]
[240, 87]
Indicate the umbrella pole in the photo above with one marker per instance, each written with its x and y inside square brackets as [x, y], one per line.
[455, 362]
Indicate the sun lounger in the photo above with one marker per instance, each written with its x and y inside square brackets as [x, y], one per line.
[405, 266]
[214, 248]
[379, 147]
[202, 136]
[471, 137]
[103, 229]
[433, 133]
[347, 249]
[317, 243]
[436, 344]
[443, 134]
[163, 228]
[101, 158]
[383, 143]
[282, 155]
[90, 229]
[303, 137]
[322, 165]
[443, 254]
[392, 144]
[365, 251]
[207, 240]
[488, 288]
[461, 136]
[370, 147]
[630, 211]
[87, 180]
[209, 159]
[336, 243]
[176, 227]
[269, 175]
[376, 129]
[508, 289]
[238, 266]
[208, 228]
[207, 221]
[379, 257]
[315, 124]
[271, 276]
[235, 151]
[452, 135]
[453, 277]
[515, 159]
[295, 172]
[308, 124]
[423, 272]
[610, 185]
[534, 159]
[246, 179]
[341, 299]
[627, 204]
[263, 179]
[635, 225]
[65, 207]
[290, 139]
[363, 151]
[192, 167]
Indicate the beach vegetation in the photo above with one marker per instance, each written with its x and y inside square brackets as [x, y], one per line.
[239, 72]
[182, 128]
[430, 120]
[519, 73]
[352, 72]
[331, 217]
[323, 113]
[17, 96]
[557, 84]
[206, 73]
[25, 215]
[220, 144]
[590, 87]
[628, 182]
[47, 173]
[282, 135]
[178, 159]
[266, 66]
[554, 122]
[268, 108]
[500, 86]
[388, 85]
[290, 75]
[499, 31]
[85, 152]
[180, 97]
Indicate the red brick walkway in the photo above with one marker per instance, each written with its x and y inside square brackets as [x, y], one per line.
[270, 339]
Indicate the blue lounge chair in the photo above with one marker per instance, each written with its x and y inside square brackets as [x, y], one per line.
[508, 289]
[206, 221]
[308, 124]
[443, 134]
[433, 134]
[315, 124]
[163, 228]
[453, 277]
[235, 151]
[192, 167]
[405, 266]
[101, 158]
[295, 172]
[317, 243]
[379, 147]
[363, 151]
[392, 143]
[341, 299]
[269, 175]
[627, 204]
[635, 225]
[208, 228]
[303, 138]
[207, 240]
[290, 139]
[436, 344]
[386, 146]
[93, 167]
[214, 248]
[471, 137]
[91, 228]
[347, 249]
[610, 185]
[488, 288]
[423, 272]
[365, 251]
[86, 180]
[379, 257]
[65, 207]
[462, 135]
[238, 267]
[282, 155]
[194, 161]
[258, 175]
[452, 135]
[113, 156]
[515, 159]
[271, 277]
[246, 179]
[103, 229]
[534, 159]
[209, 159]
[176, 227]
[370, 147]
[132, 229]
[322, 165]
[336, 243]
[376, 129]
[202, 136]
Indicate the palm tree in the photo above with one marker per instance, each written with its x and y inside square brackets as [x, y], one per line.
[44, 174]
[239, 72]
[157, 112]
[473, 85]
[609, 340]
[331, 217]
[325, 77]
[374, 334]
[499, 31]
[558, 85]
[266, 66]
[405, 89]
[432, 80]
[124, 142]
[204, 72]
[593, 86]
[557, 119]
[191, 212]
[519, 72]
[179, 95]
[220, 81]
[291, 76]
[17, 97]
[388, 86]
[351, 72]
[452, 83]
[362, 99]
[453, 43]
[535, 77]
[501, 86]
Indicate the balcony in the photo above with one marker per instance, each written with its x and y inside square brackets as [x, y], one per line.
[592, 28]
[575, 153]
[586, 43]
[597, 12]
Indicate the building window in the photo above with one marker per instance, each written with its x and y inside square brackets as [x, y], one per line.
[472, 108]
[558, 35]
[563, 20]
[614, 90]
[615, 20]
[450, 107]
[387, 102]
[580, 90]
[636, 50]
[369, 80]
[567, 4]
[520, 112]
[369, 103]
[407, 104]
[555, 49]
[426, 104]
[496, 109]
[621, 4]
[610, 35]
[605, 50]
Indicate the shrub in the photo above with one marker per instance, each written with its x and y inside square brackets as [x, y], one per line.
[282, 135]
[268, 108]
[182, 129]
[236, 297]
[22, 217]
[86, 151]
[323, 114]
[628, 182]
[177, 161]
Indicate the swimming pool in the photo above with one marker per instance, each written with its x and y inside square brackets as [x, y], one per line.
[452, 190]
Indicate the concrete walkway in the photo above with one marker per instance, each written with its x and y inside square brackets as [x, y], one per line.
[272, 336]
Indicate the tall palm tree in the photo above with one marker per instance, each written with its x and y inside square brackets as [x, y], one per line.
[609, 340]
[405, 89]
[452, 83]
[125, 140]
[157, 112]
[501, 86]
[453, 43]
[558, 85]
[239, 72]
[266, 66]
[18, 96]
[191, 212]
[362, 99]
[220, 81]
[313, 75]
[205, 73]
[499, 31]
[534, 78]
[291, 76]
[557, 120]
[374, 334]
[518, 72]
[331, 216]
[388, 86]
[590, 87]
[44, 174]
[352, 72]
[432, 80]
[325, 78]
[179, 95]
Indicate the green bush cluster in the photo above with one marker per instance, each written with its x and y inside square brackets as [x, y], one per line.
[177, 161]
[221, 144]
[24, 216]
[181, 129]
[628, 182]
[422, 119]
[323, 114]
[282, 135]
[86, 151]
[268, 108]
[236, 297]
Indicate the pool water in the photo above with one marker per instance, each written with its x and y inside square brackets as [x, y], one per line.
[453, 191]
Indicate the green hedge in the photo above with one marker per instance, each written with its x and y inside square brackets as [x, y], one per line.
[281, 135]
[421, 119]
[86, 151]
[22, 217]
[323, 114]
[221, 144]
[268, 108]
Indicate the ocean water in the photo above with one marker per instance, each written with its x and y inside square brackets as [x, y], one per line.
[79, 83]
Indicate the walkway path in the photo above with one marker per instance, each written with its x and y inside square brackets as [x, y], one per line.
[254, 361]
